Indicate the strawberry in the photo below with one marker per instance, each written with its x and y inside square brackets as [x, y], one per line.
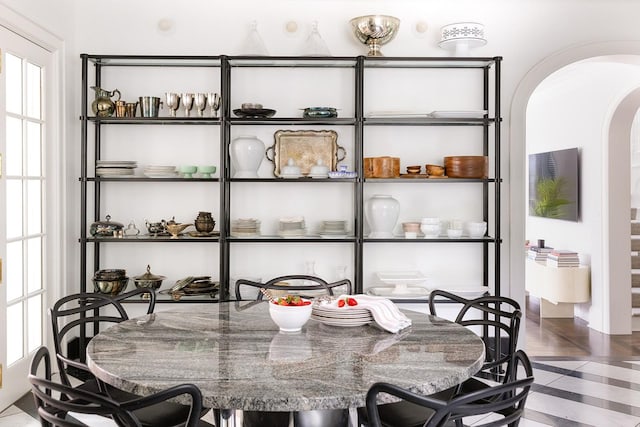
[352, 301]
[341, 303]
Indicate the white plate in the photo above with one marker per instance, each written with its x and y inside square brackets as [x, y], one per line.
[401, 277]
[341, 322]
[467, 114]
[332, 236]
[366, 314]
[408, 292]
[383, 114]
[160, 175]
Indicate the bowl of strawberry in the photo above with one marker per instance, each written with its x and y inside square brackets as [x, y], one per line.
[290, 312]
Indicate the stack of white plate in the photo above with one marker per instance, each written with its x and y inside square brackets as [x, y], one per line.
[154, 171]
[245, 227]
[341, 316]
[115, 168]
[332, 229]
[292, 227]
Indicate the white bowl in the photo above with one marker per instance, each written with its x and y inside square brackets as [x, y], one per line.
[454, 233]
[476, 229]
[430, 221]
[430, 230]
[290, 318]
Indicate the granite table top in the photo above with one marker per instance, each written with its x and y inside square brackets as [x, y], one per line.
[235, 354]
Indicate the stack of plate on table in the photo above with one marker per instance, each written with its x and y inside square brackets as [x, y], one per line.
[245, 227]
[115, 168]
[153, 171]
[340, 316]
[332, 229]
[292, 227]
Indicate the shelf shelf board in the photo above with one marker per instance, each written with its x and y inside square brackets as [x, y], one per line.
[278, 239]
[426, 121]
[155, 60]
[430, 62]
[442, 239]
[147, 238]
[294, 121]
[146, 179]
[168, 299]
[293, 61]
[429, 180]
[303, 179]
[155, 120]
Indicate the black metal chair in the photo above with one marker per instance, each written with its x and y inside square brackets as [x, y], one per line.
[498, 319]
[299, 284]
[78, 312]
[294, 282]
[53, 411]
[507, 400]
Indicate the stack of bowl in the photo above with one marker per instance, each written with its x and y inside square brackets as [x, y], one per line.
[110, 282]
[467, 166]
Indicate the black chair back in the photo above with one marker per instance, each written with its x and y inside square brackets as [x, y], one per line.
[506, 399]
[301, 282]
[75, 314]
[499, 318]
[53, 410]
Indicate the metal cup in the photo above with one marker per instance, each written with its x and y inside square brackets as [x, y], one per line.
[130, 109]
[121, 109]
[150, 106]
[173, 102]
[187, 103]
[200, 101]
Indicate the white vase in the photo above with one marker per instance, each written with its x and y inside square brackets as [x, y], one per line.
[247, 153]
[381, 212]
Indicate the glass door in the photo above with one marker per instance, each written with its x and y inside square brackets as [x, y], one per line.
[23, 183]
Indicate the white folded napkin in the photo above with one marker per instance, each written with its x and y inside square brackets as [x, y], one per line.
[384, 312]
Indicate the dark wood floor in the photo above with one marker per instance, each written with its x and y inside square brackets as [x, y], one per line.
[572, 338]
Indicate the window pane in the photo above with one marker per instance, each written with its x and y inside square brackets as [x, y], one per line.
[34, 264]
[14, 208]
[14, 326]
[34, 149]
[13, 86]
[34, 203]
[34, 323]
[14, 147]
[34, 90]
[14, 270]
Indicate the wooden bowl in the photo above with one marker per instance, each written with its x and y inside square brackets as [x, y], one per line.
[434, 170]
[467, 166]
[413, 169]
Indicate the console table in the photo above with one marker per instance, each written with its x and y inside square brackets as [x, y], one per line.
[558, 288]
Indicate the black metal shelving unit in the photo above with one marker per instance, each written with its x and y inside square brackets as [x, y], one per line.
[490, 125]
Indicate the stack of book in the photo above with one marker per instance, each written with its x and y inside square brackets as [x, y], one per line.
[537, 253]
[563, 258]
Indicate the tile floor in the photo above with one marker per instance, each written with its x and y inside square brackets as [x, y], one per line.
[566, 393]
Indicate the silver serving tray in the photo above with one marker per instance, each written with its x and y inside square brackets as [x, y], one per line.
[305, 147]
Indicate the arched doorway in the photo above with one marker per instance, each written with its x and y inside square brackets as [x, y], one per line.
[612, 283]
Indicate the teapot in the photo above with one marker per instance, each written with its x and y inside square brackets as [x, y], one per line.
[102, 105]
[156, 227]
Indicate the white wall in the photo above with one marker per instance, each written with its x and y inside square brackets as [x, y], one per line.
[523, 32]
[572, 108]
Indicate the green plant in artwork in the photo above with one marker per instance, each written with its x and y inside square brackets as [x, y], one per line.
[549, 197]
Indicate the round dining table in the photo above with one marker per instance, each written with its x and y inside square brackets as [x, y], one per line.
[238, 358]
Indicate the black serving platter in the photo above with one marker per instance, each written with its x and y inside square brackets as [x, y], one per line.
[254, 113]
